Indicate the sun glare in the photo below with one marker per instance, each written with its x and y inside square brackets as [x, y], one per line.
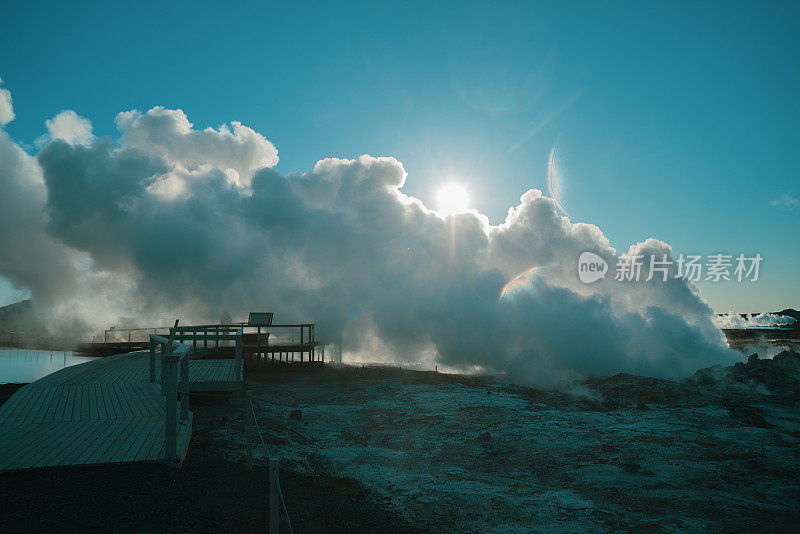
[452, 198]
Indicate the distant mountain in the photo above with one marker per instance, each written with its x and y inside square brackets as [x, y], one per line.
[20, 317]
[791, 313]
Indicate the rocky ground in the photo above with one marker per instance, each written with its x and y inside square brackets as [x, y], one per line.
[717, 452]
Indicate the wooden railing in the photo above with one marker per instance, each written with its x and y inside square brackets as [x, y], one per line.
[301, 334]
[216, 334]
[191, 335]
[173, 353]
[132, 334]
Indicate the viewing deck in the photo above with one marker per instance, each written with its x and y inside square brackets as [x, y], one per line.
[134, 407]
[104, 411]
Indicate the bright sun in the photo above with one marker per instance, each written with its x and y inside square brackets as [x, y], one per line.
[452, 198]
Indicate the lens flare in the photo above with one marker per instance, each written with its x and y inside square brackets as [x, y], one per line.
[452, 198]
[521, 280]
[554, 179]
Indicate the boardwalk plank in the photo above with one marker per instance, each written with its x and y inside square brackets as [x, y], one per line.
[100, 443]
[111, 441]
[11, 439]
[8, 408]
[143, 440]
[84, 401]
[54, 404]
[75, 445]
[51, 395]
[116, 456]
[104, 411]
[37, 399]
[22, 402]
[76, 403]
[43, 439]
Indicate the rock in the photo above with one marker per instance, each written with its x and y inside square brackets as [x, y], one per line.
[296, 415]
[747, 415]
[630, 467]
[484, 437]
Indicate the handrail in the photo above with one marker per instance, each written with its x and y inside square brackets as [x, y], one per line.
[306, 330]
[190, 336]
[154, 329]
[216, 334]
[172, 354]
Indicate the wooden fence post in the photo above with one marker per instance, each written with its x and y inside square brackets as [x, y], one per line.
[248, 431]
[152, 360]
[238, 357]
[185, 388]
[274, 497]
[171, 423]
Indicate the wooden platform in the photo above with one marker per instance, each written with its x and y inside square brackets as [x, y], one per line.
[104, 411]
[111, 347]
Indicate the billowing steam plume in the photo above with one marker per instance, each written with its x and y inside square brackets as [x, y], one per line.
[171, 220]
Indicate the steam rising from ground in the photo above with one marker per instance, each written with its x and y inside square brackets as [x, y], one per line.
[171, 220]
[761, 320]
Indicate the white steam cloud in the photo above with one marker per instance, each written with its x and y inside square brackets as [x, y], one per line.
[170, 220]
[70, 127]
[6, 106]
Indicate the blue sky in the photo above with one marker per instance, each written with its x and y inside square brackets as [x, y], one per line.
[676, 121]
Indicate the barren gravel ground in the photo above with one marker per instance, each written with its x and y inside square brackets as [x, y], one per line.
[718, 453]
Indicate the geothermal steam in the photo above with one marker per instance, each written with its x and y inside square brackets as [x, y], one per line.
[171, 220]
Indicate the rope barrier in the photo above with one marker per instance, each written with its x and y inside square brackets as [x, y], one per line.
[263, 444]
[266, 451]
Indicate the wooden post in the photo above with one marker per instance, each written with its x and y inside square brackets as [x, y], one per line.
[248, 417]
[164, 353]
[274, 497]
[238, 358]
[185, 388]
[171, 423]
[152, 360]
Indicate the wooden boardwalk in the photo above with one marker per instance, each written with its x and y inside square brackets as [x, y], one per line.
[104, 411]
